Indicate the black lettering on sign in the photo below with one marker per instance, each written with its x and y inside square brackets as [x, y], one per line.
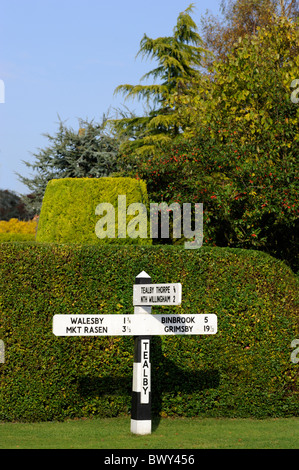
[73, 330]
[145, 365]
[86, 320]
[94, 330]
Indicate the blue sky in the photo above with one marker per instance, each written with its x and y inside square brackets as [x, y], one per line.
[66, 57]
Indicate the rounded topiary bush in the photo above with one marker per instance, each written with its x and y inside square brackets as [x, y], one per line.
[69, 209]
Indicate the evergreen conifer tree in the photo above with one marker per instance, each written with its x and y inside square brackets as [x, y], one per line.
[90, 152]
[179, 58]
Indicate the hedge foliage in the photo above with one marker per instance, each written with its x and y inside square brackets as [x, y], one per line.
[17, 230]
[69, 206]
[18, 226]
[242, 371]
[16, 237]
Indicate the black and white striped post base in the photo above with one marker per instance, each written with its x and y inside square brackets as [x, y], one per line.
[141, 421]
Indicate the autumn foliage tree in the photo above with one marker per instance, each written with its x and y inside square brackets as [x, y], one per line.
[240, 155]
[241, 18]
[11, 206]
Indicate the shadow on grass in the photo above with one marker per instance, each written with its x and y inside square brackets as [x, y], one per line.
[166, 377]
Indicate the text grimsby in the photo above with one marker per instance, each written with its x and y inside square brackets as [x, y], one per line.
[136, 325]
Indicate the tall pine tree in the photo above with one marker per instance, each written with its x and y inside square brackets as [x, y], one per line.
[179, 59]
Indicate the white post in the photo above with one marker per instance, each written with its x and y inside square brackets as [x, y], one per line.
[141, 422]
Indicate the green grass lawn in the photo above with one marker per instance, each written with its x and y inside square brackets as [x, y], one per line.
[178, 433]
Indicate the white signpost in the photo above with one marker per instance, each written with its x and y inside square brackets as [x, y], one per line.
[142, 325]
[136, 325]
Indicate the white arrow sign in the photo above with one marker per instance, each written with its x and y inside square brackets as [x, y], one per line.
[136, 325]
[157, 294]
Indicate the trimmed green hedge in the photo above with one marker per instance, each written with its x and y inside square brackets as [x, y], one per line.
[68, 213]
[244, 370]
[16, 237]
